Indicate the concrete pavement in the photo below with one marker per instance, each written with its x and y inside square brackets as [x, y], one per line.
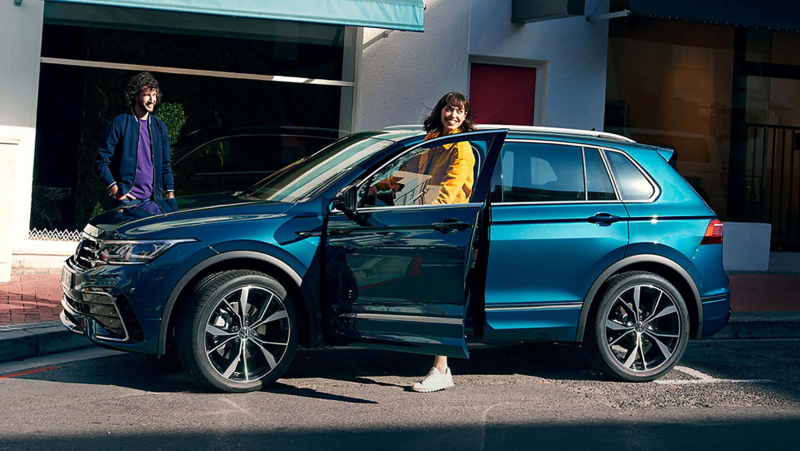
[765, 305]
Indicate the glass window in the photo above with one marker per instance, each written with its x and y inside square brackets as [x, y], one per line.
[541, 173]
[428, 175]
[632, 184]
[598, 183]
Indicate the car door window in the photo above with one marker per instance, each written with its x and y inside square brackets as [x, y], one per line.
[535, 172]
[632, 184]
[427, 175]
[598, 182]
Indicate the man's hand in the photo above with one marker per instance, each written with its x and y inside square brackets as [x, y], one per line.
[117, 194]
[170, 195]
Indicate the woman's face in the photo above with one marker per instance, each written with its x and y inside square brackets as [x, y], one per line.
[452, 117]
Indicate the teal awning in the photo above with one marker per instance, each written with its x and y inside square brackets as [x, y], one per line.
[392, 14]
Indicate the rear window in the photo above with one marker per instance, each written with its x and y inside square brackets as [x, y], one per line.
[632, 184]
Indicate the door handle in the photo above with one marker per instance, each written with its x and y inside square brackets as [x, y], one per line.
[604, 218]
[450, 225]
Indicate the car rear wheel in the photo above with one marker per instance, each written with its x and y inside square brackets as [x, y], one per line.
[238, 331]
[640, 329]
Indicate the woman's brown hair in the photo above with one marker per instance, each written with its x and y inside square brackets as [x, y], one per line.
[433, 123]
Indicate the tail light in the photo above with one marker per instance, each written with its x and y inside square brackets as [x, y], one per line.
[713, 233]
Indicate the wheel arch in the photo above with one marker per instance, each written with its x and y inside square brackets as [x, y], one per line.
[257, 261]
[656, 264]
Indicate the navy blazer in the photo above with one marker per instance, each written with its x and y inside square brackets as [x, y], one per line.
[118, 149]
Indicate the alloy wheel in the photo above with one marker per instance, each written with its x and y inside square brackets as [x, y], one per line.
[247, 334]
[643, 328]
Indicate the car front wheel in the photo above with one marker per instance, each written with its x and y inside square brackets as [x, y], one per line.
[640, 329]
[238, 331]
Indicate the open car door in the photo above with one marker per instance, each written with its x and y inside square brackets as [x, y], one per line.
[396, 260]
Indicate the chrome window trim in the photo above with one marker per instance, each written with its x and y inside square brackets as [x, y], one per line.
[656, 186]
[574, 202]
[405, 318]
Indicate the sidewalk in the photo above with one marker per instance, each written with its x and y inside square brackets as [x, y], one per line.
[765, 305]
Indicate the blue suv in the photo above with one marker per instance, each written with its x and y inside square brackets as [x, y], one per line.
[566, 236]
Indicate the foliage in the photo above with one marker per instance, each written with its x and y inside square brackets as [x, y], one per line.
[174, 118]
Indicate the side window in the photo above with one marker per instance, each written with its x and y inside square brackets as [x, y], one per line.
[534, 172]
[632, 184]
[428, 175]
[598, 183]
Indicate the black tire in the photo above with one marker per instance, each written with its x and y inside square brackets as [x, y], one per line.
[638, 344]
[230, 352]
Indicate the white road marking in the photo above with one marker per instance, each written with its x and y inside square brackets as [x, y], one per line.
[714, 381]
[234, 405]
[692, 372]
[703, 378]
[57, 359]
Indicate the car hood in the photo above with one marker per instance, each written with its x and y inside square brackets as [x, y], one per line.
[160, 215]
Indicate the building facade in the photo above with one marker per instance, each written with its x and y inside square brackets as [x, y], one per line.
[717, 86]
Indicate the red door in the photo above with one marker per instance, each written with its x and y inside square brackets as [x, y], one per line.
[502, 94]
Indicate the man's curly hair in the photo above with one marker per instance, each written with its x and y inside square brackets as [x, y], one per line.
[139, 81]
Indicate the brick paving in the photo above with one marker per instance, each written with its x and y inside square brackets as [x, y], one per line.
[30, 298]
[35, 296]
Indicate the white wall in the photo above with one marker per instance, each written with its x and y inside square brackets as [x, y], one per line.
[572, 51]
[20, 47]
[403, 75]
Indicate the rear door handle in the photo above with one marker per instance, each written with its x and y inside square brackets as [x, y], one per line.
[450, 225]
[604, 218]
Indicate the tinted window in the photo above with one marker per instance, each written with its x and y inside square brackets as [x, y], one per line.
[598, 183]
[541, 173]
[632, 184]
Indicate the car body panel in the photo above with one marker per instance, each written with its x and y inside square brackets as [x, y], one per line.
[557, 254]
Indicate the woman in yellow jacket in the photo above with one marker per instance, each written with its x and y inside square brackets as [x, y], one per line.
[451, 168]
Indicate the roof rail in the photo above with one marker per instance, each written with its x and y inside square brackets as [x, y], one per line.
[528, 128]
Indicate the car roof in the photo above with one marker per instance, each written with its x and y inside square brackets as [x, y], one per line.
[591, 137]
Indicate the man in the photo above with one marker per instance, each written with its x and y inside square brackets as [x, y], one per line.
[133, 155]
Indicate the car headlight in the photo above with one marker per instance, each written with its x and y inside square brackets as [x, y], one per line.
[129, 252]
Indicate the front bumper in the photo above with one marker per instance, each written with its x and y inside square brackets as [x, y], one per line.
[104, 315]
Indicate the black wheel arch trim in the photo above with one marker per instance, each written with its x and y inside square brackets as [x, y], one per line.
[588, 301]
[219, 258]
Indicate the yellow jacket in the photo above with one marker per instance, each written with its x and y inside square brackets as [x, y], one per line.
[450, 166]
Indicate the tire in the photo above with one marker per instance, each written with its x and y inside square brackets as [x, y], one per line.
[230, 352]
[640, 328]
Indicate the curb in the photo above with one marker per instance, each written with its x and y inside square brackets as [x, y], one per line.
[754, 325]
[23, 341]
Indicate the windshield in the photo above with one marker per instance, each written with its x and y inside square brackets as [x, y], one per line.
[314, 173]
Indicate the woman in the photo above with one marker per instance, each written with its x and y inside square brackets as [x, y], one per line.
[451, 167]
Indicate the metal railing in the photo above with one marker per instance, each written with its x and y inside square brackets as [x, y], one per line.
[772, 181]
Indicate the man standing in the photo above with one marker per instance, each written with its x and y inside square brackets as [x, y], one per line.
[133, 155]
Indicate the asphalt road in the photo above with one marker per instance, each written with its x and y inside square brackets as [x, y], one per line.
[726, 395]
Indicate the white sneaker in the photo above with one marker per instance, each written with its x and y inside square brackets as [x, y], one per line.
[434, 381]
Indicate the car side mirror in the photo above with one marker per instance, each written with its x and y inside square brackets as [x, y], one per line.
[345, 201]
